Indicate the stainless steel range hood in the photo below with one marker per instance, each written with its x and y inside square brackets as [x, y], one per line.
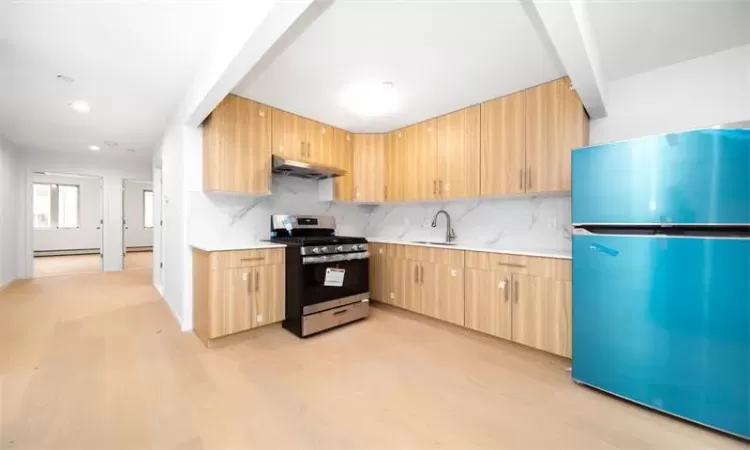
[301, 169]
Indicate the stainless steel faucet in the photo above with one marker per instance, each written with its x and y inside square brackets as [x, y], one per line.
[449, 233]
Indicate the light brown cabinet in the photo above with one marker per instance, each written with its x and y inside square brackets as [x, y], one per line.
[234, 291]
[395, 166]
[556, 123]
[503, 145]
[458, 153]
[488, 307]
[301, 139]
[236, 147]
[379, 272]
[342, 156]
[369, 167]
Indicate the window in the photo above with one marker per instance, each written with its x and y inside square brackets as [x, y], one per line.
[148, 209]
[55, 205]
[42, 205]
[67, 206]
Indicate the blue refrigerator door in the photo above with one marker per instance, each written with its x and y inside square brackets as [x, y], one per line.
[696, 177]
[665, 321]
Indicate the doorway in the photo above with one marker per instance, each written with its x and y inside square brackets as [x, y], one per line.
[137, 224]
[66, 224]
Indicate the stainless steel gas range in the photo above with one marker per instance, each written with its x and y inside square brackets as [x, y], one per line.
[327, 276]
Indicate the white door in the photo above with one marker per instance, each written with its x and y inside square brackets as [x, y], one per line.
[138, 214]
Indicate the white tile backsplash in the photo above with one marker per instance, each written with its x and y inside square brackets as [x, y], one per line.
[528, 223]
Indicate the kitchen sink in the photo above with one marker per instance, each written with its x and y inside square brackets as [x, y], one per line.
[447, 244]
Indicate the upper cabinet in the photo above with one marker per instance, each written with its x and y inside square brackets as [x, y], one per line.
[458, 154]
[503, 145]
[516, 144]
[342, 156]
[301, 139]
[237, 147]
[556, 123]
[369, 167]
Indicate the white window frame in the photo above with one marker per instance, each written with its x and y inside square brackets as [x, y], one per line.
[54, 222]
[143, 200]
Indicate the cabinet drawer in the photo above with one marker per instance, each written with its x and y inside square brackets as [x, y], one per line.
[246, 258]
[495, 261]
[445, 256]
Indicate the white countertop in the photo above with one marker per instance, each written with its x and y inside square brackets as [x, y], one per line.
[224, 248]
[539, 254]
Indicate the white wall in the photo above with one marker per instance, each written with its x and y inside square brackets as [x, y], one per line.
[707, 91]
[89, 234]
[112, 171]
[9, 208]
[136, 234]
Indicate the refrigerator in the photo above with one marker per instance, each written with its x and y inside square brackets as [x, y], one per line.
[661, 274]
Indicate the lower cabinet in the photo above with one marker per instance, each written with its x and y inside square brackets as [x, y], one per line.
[236, 291]
[524, 299]
[488, 303]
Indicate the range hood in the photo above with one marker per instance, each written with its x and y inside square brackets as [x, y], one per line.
[301, 169]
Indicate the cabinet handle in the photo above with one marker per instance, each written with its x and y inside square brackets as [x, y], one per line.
[249, 279]
[515, 290]
[257, 281]
[511, 264]
[434, 187]
[520, 176]
[421, 274]
[528, 178]
[259, 258]
[507, 288]
[416, 274]
[309, 151]
[302, 147]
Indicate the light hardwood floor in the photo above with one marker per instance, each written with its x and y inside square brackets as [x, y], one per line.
[47, 266]
[98, 362]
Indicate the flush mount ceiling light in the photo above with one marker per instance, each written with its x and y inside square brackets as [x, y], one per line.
[94, 148]
[370, 98]
[80, 106]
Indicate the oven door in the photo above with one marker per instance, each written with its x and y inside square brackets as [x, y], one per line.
[316, 296]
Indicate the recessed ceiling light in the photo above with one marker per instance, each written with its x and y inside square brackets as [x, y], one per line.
[370, 98]
[112, 144]
[80, 106]
[94, 148]
[65, 78]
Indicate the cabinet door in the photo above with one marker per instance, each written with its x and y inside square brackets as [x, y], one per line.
[558, 316]
[528, 310]
[412, 288]
[378, 273]
[556, 123]
[488, 302]
[230, 301]
[449, 282]
[395, 164]
[236, 147]
[503, 145]
[319, 143]
[428, 284]
[426, 163]
[267, 291]
[289, 135]
[458, 153]
[343, 158]
[401, 275]
[369, 167]
[410, 158]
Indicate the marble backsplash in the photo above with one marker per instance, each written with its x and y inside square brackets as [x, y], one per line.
[525, 223]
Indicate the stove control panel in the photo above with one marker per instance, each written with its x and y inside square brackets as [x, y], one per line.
[327, 250]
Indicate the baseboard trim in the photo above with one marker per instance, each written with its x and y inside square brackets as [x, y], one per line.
[78, 251]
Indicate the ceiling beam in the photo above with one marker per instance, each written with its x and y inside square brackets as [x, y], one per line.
[258, 33]
[565, 29]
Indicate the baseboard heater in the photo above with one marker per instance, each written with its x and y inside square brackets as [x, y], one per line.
[77, 251]
[139, 249]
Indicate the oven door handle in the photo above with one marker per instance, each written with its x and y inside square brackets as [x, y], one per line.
[335, 258]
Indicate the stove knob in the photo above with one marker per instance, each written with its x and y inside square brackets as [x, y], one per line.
[340, 248]
[356, 247]
[316, 250]
[324, 249]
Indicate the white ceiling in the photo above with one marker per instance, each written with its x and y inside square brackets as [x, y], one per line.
[441, 56]
[639, 36]
[131, 60]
